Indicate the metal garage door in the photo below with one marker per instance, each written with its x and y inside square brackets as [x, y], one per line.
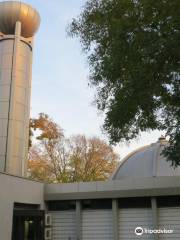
[169, 218]
[97, 225]
[63, 225]
[130, 218]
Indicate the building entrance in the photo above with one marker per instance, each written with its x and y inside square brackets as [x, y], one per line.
[28, 225]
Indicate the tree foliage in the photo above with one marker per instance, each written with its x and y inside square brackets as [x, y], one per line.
[91, 159]
[55, 158]
[134, 55]
[38, 167]
[48, 129]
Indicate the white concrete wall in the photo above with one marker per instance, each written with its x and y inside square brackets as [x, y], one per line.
[6, 55]
[137, 187]
[15, 89]
[14, 189]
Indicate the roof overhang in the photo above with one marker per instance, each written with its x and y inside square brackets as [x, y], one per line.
[137, 187]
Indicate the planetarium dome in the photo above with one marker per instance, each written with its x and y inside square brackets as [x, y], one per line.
[147, 161]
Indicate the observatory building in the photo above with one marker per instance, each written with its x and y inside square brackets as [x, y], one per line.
[18, 25]
[142, 196]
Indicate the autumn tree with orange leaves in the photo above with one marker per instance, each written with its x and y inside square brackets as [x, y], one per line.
[55, 158]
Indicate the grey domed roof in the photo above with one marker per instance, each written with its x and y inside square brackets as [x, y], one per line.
[146, 162]
[13, 11]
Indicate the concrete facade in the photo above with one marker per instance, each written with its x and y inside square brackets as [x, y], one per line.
[116, 223]
[18, 24]
[21, 190]
[16, 190]
[15, 88]
[138, 187]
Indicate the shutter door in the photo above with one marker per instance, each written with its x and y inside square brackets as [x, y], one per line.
[63, 225]
[169, 218]
[97, 225]
[130, 218]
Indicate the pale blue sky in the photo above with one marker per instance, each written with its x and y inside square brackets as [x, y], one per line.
[60, 75]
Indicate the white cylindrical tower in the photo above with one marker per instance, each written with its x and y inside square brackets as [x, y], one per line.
[18, 24]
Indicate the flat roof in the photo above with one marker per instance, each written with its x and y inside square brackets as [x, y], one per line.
[137, 187]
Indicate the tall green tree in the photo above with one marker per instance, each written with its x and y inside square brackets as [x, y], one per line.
[134, 56]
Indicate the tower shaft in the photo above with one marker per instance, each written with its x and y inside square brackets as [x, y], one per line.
[15, 89]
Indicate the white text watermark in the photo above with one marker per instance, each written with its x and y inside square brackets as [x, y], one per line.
[140, 231]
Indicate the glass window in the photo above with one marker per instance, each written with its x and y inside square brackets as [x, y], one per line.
[61, 205]
[139, 202]
[97, 204]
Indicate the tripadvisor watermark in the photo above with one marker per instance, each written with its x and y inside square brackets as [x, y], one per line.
[140, 231]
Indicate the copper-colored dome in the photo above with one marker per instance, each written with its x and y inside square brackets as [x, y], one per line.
[13, 11]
